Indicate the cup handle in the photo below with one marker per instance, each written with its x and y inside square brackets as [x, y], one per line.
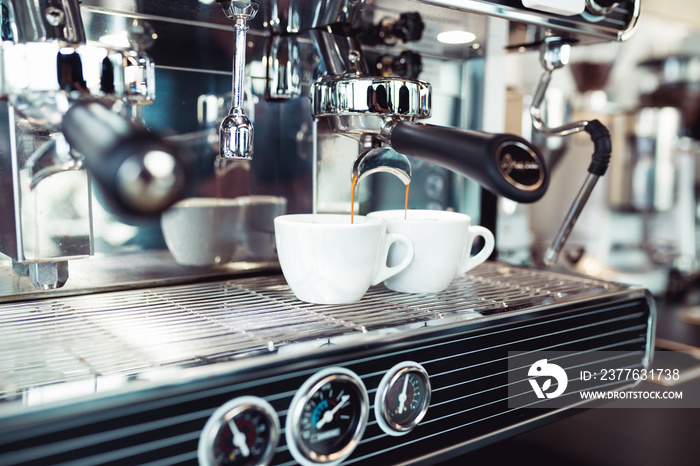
[489, 243]
[385, 272]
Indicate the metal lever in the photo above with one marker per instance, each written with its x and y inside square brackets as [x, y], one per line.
[554, 54]
[236, 130]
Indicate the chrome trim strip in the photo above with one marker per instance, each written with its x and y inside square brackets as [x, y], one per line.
[632, 27]
[530, 17]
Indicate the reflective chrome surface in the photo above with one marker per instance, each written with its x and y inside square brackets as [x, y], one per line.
[48, 275]
[42, 78]
[42, 221]
[588, 26]
[52, 157]
[386, 97]
[45, 20]
[284, 68]
[292, 17]
[236, 135]
[554, 54]
[595, 8]
[341, 52]
[46, 65]
[236, 130]
[382, 159]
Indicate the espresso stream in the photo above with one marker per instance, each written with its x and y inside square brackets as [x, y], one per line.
[352, 200]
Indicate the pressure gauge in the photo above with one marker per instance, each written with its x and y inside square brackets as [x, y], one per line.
[242, 432]
[402, 398]
[327, 417]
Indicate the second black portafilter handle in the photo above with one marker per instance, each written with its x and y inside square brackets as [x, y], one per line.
[504, 164]
[140, 173]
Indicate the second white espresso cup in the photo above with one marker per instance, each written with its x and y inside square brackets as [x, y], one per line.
[328, 260]
[201, 231]
[442, 242]
[256, 230]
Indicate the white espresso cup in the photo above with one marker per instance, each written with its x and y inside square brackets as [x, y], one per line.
[442, 243]
[201, 231]
[328, 260]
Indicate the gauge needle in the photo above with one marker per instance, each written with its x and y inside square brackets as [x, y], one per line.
[328, 415]
[239, 439]
[403, 397]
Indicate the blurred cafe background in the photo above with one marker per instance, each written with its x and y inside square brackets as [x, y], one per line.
[111, 352]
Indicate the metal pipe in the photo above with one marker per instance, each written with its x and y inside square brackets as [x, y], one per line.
[536, 112]
[554, 54]
[236, 130]
[552, 253]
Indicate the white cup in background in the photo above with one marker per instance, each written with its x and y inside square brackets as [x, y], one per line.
[327, 260]
[442, 243]
[256, 230]
[201, 231]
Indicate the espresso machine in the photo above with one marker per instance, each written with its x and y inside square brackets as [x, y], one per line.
[133, 358]
[64, 98]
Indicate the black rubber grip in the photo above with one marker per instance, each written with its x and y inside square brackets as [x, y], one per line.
[107, 141]
[600, 135]
[504, 164]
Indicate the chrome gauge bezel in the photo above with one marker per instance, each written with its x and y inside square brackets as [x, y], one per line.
[381, 408]
[228, 411]
[297, 447]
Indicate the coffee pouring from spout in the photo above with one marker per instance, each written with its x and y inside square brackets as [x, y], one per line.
[386, 109]
[382, 159]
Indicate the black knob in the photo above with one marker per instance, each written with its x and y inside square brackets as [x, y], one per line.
[407, 65]
[409, 27]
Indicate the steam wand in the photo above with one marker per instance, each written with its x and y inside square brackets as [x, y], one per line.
[554, 54]
[236, 130]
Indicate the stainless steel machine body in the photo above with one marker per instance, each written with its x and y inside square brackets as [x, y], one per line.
[46, 66]
[133, 359]
[133, 376]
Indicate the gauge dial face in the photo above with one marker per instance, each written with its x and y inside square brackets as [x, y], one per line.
[242, 432]
[327, 417]
[402, 398]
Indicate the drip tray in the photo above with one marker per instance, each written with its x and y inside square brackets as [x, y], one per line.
[128, 332]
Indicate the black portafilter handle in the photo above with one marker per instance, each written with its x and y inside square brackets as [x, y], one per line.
[140, 173]
[504, 164]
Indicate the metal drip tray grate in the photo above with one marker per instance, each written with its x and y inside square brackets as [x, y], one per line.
[75, 338]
